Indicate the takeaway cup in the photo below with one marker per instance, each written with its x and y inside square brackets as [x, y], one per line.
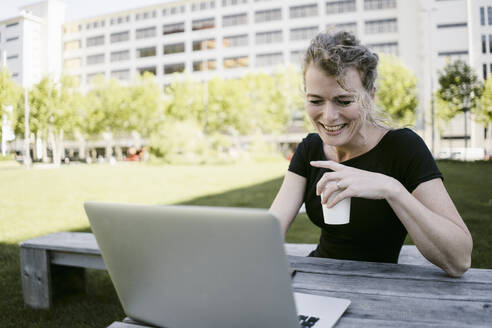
[338, 214]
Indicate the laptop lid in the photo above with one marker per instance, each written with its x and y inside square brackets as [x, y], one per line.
[194, 266]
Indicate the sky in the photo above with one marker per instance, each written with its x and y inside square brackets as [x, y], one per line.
[78, 8]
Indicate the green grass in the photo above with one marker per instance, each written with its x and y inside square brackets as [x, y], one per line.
[39, 201]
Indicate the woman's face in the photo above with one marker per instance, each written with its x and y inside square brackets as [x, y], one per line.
[334, 112]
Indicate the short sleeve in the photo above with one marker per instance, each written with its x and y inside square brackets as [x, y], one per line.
[299, 159]
[418, 163]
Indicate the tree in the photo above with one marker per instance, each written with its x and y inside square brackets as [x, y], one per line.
[67, 114]
[42, 102]
[146, 106]
[484, 111]
[396, 90]
[459, 92]
[108, 110]
[9, 94]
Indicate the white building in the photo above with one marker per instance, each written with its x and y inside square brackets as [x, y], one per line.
[203, 38]
[31, 42]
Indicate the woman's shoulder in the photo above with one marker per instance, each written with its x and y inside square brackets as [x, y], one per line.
[403, 137]
[312, 139]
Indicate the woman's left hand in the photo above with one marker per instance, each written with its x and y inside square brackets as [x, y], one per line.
[352, 182]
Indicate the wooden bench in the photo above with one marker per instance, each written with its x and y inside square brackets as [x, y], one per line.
[58, 261]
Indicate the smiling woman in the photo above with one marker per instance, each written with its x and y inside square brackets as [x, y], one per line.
[389, 175]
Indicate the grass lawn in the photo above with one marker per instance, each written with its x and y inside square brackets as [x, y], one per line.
[39, 201]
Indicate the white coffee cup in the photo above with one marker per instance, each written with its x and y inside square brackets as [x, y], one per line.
[338, 214]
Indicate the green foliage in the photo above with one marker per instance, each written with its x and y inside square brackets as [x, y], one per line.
[43, 105]
[183, 142]
[459, 90]
[107, 107]
[9, 94]
[145, 110]
[484, 111]
[254, 103]
[55, 106]
[396, 90]
[184, 100]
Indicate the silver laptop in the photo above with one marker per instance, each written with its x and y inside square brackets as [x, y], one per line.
[195, 266]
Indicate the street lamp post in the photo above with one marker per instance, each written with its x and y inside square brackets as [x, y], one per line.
[466, 109]
[429, 12]
[27, 132]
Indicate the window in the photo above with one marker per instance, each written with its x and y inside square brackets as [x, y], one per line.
[204, 5]
[340, 6]
[482, 16]
[120, 55]
[148, 69]
[203, 24]
[349, 27]
[69, 29]
[12, 57]
[120, 36]
[202, 65]
[12, 39]
[297, 56]
[199, 45]
[173, 28]
[174, 68]
[489, 14]
[490, 43]
[95, 41]
[95, 59]
[146, 52]
[268, 15]
[452, 53]
[144, 33]
[235, 41]
[381, 26]
[12, 24]
[303, 33]
[121, 74]
[390, 48]
[174, 48]
[484, 71]
[379, 4]
[484, 44]
[236, 62]
[71, 45]
[227, 3]
[233, 20]
[72, 63]
[173, 10]
[304, 11]
[452, 25]
[272, 59]
[268, 37]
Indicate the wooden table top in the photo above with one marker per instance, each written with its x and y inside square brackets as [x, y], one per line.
[398, 295]
[394, 295]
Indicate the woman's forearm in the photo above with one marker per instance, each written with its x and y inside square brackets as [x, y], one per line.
[444, 242]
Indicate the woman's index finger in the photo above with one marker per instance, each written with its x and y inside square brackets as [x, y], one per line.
[327, 165]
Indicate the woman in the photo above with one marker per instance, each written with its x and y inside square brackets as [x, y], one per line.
[391, 176]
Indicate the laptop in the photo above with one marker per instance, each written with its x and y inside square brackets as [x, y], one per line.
[196, 266]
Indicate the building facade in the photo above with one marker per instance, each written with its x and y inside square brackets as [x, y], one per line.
[30, 43]
[229, 38]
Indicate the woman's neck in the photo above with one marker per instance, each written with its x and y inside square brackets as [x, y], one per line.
[368, 137]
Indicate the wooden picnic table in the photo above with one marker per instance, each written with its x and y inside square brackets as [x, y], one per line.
[394, 295]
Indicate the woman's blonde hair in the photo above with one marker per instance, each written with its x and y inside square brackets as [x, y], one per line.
[334, 53]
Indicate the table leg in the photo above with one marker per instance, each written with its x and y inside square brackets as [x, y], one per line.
[36, 278]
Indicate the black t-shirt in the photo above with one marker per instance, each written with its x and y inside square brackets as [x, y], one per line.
[374, 232]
